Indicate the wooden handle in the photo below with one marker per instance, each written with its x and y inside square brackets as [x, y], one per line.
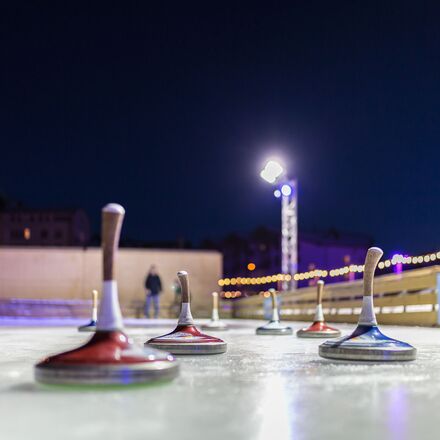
[112, 218]
[374, 254]
[320, 291]
[215, 300]
[184, 282]
[273, 295]
[94, 299]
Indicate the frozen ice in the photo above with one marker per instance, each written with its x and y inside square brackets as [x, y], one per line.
[264, 387]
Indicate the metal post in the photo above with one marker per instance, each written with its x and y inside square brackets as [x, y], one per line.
[289, 235]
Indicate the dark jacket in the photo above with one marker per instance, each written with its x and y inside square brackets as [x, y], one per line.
[153, 284]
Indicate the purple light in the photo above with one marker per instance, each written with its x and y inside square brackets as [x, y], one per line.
[277, 193]
[398, 267]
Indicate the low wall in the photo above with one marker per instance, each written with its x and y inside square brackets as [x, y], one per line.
[72, 273]
[410, 298]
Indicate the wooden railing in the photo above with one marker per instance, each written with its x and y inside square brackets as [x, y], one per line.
[410, 298]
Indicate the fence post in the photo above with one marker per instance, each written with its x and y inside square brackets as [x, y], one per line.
[438, 297]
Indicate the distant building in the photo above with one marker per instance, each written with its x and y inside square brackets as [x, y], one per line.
[317, 250]
[44, 227]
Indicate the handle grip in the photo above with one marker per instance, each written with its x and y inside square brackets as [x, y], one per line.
[273, 295]
[184, 282]
[94, 299]
[215, 300]
[374, 254]
[94, 305]
[319, 291]
[112, 218]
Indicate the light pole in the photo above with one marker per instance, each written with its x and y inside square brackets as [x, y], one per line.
[287, 190]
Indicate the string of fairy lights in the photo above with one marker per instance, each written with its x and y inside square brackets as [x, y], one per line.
[318, 273]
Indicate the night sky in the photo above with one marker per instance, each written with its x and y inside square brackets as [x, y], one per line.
[172, 109]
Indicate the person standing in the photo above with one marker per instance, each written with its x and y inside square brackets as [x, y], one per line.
[153, 287]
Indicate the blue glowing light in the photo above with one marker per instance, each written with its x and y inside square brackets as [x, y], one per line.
[286, 190]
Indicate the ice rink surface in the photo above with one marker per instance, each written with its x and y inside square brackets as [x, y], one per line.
[264, 387]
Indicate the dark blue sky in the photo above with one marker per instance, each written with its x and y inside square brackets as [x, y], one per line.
[171, 110]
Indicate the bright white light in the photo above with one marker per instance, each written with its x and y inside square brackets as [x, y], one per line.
[286, 190]
[272, 171]
[277, 193]
[264, 175]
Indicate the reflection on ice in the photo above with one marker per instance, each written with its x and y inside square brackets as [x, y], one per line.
[275, 410]
[397, 413]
